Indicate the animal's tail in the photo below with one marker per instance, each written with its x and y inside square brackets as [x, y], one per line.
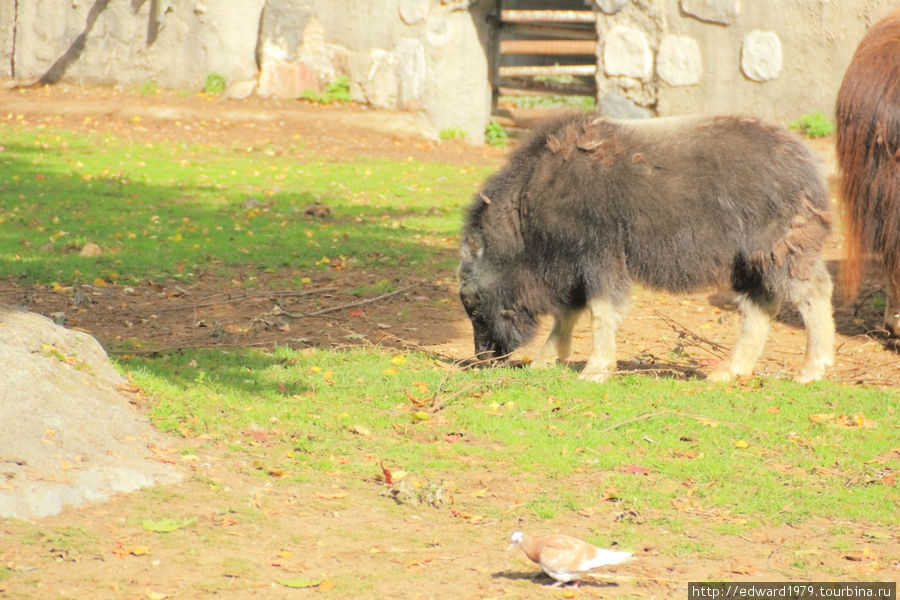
[868, 152]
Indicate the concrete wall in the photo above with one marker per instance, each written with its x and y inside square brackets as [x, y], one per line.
[775, 58]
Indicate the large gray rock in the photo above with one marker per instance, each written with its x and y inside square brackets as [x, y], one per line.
[68, 435]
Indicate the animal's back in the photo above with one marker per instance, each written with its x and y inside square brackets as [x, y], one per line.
[679, 198]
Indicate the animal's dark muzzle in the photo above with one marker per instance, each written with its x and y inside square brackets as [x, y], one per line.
[489, 351]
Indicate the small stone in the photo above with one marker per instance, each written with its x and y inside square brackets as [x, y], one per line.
[90, 249]
[240, 90]
[610, 7]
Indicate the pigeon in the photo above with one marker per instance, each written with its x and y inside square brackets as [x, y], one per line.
[563, 557]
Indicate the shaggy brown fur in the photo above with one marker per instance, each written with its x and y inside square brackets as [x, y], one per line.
[868, 151]
[588, 205]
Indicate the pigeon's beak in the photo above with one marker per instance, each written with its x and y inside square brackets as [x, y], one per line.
[512, 546]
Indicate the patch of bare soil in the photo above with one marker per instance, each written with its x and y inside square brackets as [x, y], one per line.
[250, 534]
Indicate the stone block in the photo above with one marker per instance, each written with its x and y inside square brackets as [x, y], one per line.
[678, 61]
[280, 79]
[281, 29]
[761, 55]
[411, 72]
[613, 104]
[626, 53]
[374, 78]
[714, 11]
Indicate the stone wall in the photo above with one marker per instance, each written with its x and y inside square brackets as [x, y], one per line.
[174, 42]
[774, 58]
[419, 55]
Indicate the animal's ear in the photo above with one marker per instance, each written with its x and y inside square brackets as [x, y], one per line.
[472, 247]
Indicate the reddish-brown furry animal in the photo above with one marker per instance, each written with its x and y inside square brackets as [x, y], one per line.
[868, 152]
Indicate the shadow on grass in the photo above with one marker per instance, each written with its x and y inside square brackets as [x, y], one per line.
[164, 231]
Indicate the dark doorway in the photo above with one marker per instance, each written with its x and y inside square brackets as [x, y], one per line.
[544, 56]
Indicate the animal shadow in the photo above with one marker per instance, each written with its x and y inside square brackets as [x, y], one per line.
[541, 578]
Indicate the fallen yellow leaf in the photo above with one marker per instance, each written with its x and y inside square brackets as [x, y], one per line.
[821, 417]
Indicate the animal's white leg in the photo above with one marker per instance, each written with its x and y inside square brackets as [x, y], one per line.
[559, 343]
[813, 299]
[755, 321]
[605, 319]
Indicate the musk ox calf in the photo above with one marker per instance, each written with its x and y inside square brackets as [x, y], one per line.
[587, 205]
[868, 152]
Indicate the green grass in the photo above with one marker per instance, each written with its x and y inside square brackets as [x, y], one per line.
[336, 91]
[813, 125]
[215, 83]
[171, 211]
[584, 103]
[452, 133]
[656, 443]
[676, 453]
[495, 135]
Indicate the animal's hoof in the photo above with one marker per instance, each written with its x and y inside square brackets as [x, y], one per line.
[808, 374]
[720, 373]
[594, 376]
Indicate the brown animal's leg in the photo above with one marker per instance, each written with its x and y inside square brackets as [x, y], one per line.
[813, 299]
[559, 343]
[756, 316]
[605, 319]
[892, 308]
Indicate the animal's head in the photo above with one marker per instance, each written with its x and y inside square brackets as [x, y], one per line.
[494, 297]
[515, 540]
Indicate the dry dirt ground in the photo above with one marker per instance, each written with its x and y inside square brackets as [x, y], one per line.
[251, 534]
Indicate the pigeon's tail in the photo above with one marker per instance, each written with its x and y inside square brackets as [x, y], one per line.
[605, 557]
